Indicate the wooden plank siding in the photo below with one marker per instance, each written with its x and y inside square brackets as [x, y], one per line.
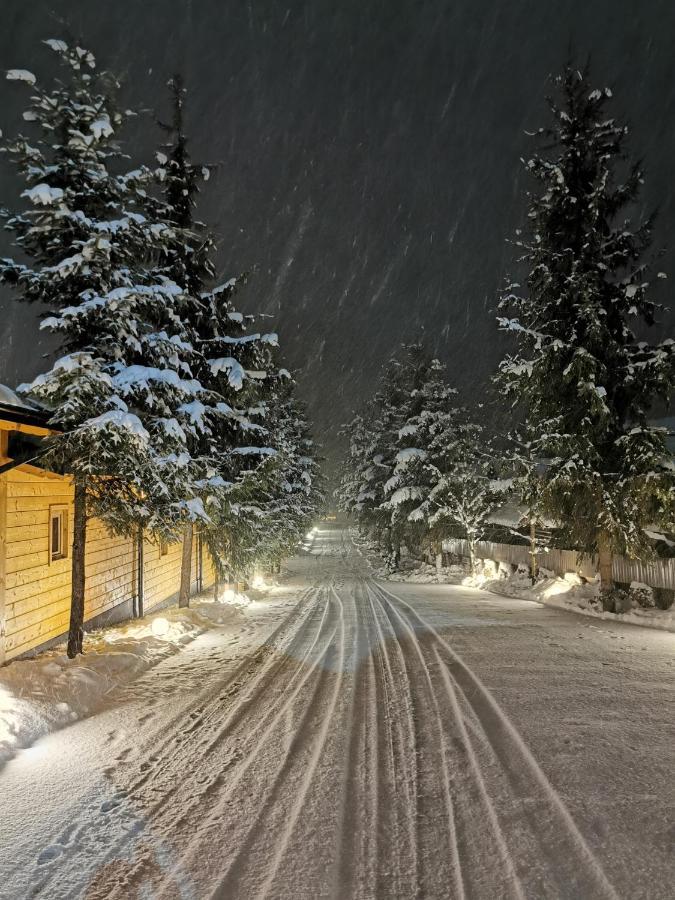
[35, 592]
[3, 576]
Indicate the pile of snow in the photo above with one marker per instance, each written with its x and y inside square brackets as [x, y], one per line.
[424, 573]
[50, 691]
[573, 594]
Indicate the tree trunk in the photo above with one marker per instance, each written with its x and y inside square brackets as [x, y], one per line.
[472, 556]
[140, 586]
[186, 567]
[534, 564]
[216, 585]
[397, 554]
[605, 562]
[76, 629]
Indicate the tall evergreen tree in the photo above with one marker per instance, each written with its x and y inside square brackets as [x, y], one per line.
[386, 415]
[587, 380]
[114, 392]
[228, 358]
[467, 491]
[269, 506]
[427, 442]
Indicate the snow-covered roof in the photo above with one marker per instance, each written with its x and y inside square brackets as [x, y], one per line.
[14, 408]
[8, 397]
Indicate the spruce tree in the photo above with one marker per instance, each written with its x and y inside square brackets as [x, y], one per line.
[586, 377]
[229, 359]
[86, 234]
[467, 491]
[427, 446]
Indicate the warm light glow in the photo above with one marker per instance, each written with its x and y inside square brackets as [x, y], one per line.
[6, 708]
[227, 596]
[558, 587]
[160, 627]
[258, 583]
[474, 581]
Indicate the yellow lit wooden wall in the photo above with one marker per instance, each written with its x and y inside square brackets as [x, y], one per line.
[35, 593]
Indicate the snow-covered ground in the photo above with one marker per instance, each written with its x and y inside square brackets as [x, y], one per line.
[49, 691]
[350, 738]
[569, 593]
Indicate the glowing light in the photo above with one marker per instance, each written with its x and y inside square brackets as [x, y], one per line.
[558, 587]
[474, 581]
[258, 583]
[228, 596]
[160, 627]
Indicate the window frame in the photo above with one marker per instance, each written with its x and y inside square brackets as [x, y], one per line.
[58, 512]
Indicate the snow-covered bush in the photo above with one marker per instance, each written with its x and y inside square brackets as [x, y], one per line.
[504, 569]
[617, 600]
[641, 595]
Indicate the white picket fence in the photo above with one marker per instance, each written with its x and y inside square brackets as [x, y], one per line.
[658, 573]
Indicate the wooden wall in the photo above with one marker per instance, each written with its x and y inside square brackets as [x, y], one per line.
[35, 593]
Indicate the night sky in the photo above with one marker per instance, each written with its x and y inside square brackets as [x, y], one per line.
[369, 156]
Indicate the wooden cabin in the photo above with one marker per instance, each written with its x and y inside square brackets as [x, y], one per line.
[124, 577]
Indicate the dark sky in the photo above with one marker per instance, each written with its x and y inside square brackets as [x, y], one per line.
[369, 155]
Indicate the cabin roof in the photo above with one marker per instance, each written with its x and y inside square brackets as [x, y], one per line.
[16, 410]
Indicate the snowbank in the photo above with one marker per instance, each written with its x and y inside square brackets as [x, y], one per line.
[423, 573]
[568, 593]
[571, 594]
[50, 691]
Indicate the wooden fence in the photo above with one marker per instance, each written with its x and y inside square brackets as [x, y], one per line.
[659, 573]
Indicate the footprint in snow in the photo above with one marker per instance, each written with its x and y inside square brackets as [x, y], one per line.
[64, 838]
[48, 854]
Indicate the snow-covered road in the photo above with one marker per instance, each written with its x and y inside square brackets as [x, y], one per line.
[364, 740]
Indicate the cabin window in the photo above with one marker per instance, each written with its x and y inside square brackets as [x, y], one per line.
[58, 532]
[163, 548]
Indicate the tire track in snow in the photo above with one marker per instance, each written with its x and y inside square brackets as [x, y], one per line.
[263, 664]
[355, 866]
[172, 812]
[312, 765]
[571, 861]
[430, 875]
[263, 807]
[401, 754]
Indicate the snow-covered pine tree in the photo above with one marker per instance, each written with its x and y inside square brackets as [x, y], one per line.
[88, 241]
[295, 491]
[468, 490]
[270, 506]
[229, 360]
[587, 381]
[427, 442]
[385, 416]
[188, 264]
[387, 470]
[348, 491]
